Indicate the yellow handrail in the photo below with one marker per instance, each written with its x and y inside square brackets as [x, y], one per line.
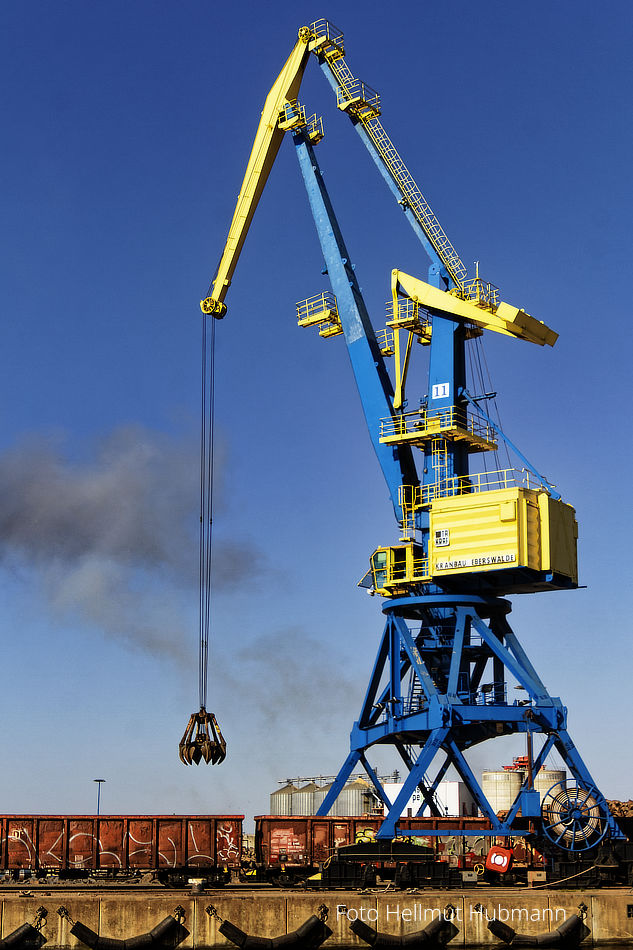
[419, 422]
[419, 496]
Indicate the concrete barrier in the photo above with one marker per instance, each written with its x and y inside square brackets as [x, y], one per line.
[121, 915]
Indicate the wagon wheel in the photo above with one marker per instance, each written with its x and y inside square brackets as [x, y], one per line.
[574, 817]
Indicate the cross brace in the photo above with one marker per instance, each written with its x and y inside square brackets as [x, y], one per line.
[427, 699]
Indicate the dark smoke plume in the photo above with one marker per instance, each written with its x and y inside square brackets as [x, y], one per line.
[290, 672]
[112, 539]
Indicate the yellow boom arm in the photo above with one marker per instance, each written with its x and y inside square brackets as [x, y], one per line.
[506, 319]
[265, 148]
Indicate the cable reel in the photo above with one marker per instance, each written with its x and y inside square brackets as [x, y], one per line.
[574, 817]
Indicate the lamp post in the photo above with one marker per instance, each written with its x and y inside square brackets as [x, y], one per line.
[99, 782]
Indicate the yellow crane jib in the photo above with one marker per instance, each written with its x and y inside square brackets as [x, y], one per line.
[506, 319]
[268, 137]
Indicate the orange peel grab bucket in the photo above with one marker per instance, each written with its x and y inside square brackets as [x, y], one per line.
[202, 740]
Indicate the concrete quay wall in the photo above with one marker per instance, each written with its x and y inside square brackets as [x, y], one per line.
[121, 915]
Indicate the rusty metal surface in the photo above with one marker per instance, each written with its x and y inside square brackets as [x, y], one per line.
[121, 842]
[308, 840]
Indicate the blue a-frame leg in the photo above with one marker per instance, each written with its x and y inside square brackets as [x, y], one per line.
[426, 698]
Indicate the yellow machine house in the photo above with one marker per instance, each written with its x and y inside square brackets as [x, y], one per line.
[523, 539]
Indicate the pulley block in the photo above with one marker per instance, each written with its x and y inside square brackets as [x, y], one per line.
[202, 739]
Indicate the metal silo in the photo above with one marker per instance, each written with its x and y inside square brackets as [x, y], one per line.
[303, 799]
[501, 787]
[355, 799]
[320, 794]
[281, 800]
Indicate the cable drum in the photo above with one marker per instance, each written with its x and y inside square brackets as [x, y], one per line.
[573, 816]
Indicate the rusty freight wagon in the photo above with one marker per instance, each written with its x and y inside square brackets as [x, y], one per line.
[75, 846]
[292, 848]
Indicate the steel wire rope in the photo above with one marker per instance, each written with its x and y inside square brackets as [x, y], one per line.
[206, 501]
[475, 367]
[480, 370]
[494, 403]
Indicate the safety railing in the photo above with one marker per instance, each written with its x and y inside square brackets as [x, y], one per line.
[482, 292]
[385, 340]
[421, 423]
[359, 98]
[399, 574]
[408, 315]
[490, 694]
[314, 128]
[321, 311]
[415, 199]
[414, 497]
[293, 116]
[324, 302]
[321, 29]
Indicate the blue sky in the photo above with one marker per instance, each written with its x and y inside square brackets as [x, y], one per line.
[127, 126]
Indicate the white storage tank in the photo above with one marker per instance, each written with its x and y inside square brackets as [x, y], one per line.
[546, 778]
[501, 787]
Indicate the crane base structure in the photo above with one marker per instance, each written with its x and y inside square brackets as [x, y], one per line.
[427, 699]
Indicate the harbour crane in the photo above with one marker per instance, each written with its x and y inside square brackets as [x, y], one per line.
[468, 535]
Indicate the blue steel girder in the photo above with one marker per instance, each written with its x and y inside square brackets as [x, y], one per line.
[372, 703]
[468, 777]
[415, 659]
[536, 768]
[432, 786]
[449, 723]
[338, 784]
[572, 758]
[393, 188]
[430, 749]
[375, 781]
[462, 621]
[372, 380]
[524, 673]
[472, 724]
[425, 788]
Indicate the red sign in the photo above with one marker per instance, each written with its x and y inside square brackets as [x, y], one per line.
[498, 859]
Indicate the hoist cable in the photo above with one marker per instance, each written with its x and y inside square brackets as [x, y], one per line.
[474, 362]
[202, 738]
[496, 407]
[206, 500]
